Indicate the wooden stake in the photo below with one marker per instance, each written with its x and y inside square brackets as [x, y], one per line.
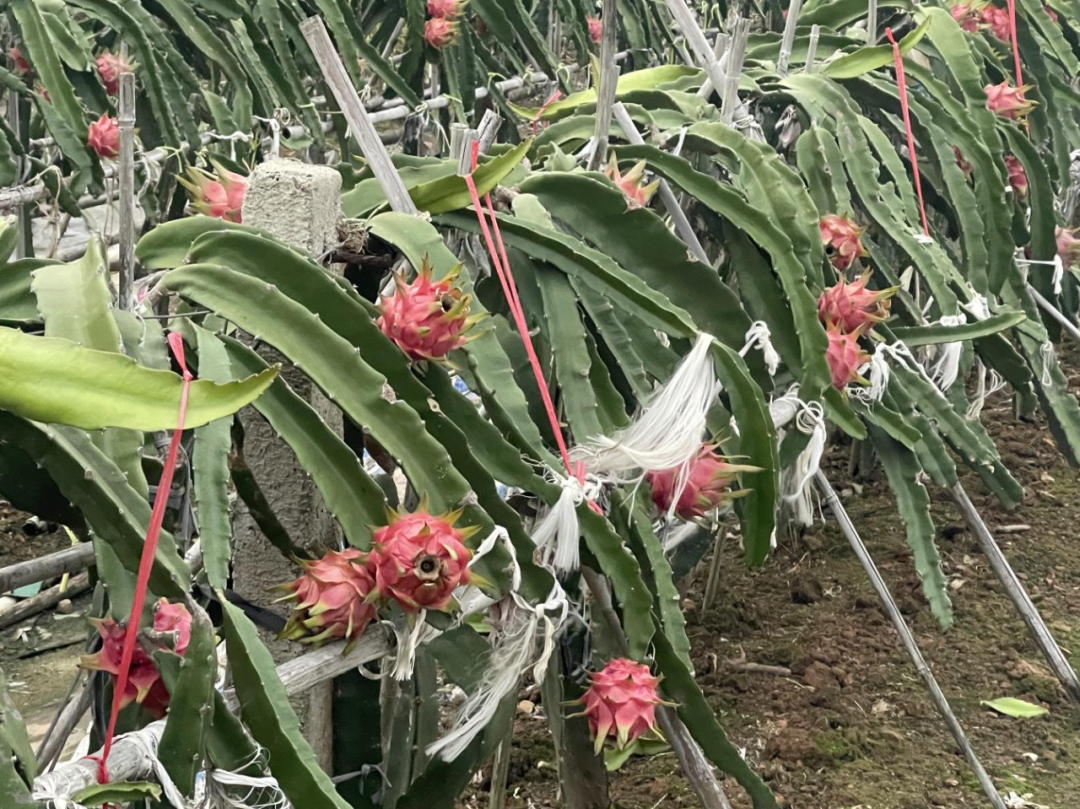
[126, 120]
[936, 694]
[609, 80]
[667, 196]
[789, 37]
[70, 560]
[65, 723]
[1016, 592]
[44, 600]
[871, 23]
[318, 39]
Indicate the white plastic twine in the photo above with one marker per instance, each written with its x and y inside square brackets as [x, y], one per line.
[945, 367]
[668, 434]
[987, 383]
[759, 336]
[795, 481]
[231, 790]
[679, 143]
[558, 534]
[978, 306]
[1046, 351]
[1059, 269]
[515, 631]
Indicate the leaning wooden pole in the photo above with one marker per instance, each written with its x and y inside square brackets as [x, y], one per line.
[893, 611]
[1016, 592]
[609, 80]
[126, 120]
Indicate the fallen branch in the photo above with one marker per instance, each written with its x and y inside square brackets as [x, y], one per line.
[44, 600]
[70, 560]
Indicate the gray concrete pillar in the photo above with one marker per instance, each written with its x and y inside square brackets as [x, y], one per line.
[299, 204]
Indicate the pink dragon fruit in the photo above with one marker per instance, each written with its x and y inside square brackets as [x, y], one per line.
[637, 195]
[220, 195]
[1008, 101]
[1017, 176]
[967, 15]
[427, 319]
[450, 9]
[707, 484]
[440, 32]
[103, 136]
[997, 20]
[596, 29]
[1068, 247]
[620, 703]
[845, 356]
[110, 67]
[841, 239]
[419, 558]
[334, 598]
[853, 306]
[21, 66]
[144, 685]
[961, 161]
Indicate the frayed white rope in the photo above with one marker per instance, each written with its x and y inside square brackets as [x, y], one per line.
[1046, 351]
[411, 633]
[946, 366]
[1059, 269]
[679, 143]
[759, 336]
[987, 383]
[233, 790]
[668, 433]
[558, 534]
[879, 374]
[978, 306]
[516, 628]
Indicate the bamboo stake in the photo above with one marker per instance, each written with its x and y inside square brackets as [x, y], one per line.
[936, 694]
[314, 31]
[730, 104]
[789, 37]
[69, 560]
[126, 120]
[1016, 592]
[811, 48]
[609, 80]
[871, 22]
[695, 765]
[667, 196]
[719, 50]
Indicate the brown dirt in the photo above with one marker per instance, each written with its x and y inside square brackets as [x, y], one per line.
[852, 726]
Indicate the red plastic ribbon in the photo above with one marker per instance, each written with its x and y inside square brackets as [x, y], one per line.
[1015, 45]
[146, 562]
[543, 108]
[901, 83]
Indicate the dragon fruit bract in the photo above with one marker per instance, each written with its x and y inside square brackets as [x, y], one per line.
[103, 136]
[707, 484]
[841, 239]
[1008, 101]
[333, 599]
[845, 356]
[427, 319]
[419, 558]
[110, 67]
[220, 195]
[144, 684]
[851, 306]
[621, 703]
[637, 195]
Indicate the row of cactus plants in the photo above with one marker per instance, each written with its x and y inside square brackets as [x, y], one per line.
[615, 308]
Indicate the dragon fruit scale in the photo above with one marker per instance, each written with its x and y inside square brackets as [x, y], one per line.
[427, 319]
[852, 305]
[840, 236]
[1008, 101]
[707, 486]
[845, 356]
[418, 559]
[334, 599]
[620, 703]
[144, 685]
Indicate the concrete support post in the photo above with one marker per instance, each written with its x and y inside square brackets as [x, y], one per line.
[299, 204]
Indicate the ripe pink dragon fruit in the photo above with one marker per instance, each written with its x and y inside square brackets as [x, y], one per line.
[450, 9]
[1068, 247]
[144, 684]
[334, 598]
[110, 67]
[853, 306]
[596, 29]
[427, 319]
[637, 195]
[841, 239]
[103, 136]
[845, 356]
[21, 66]
[440, 32]
[1008, 101]
[707, 484]
[967, 15]
[961, 161]
[997, 20]
[620, 703]
[419, 558]
[220, 195]
[1017, 176]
